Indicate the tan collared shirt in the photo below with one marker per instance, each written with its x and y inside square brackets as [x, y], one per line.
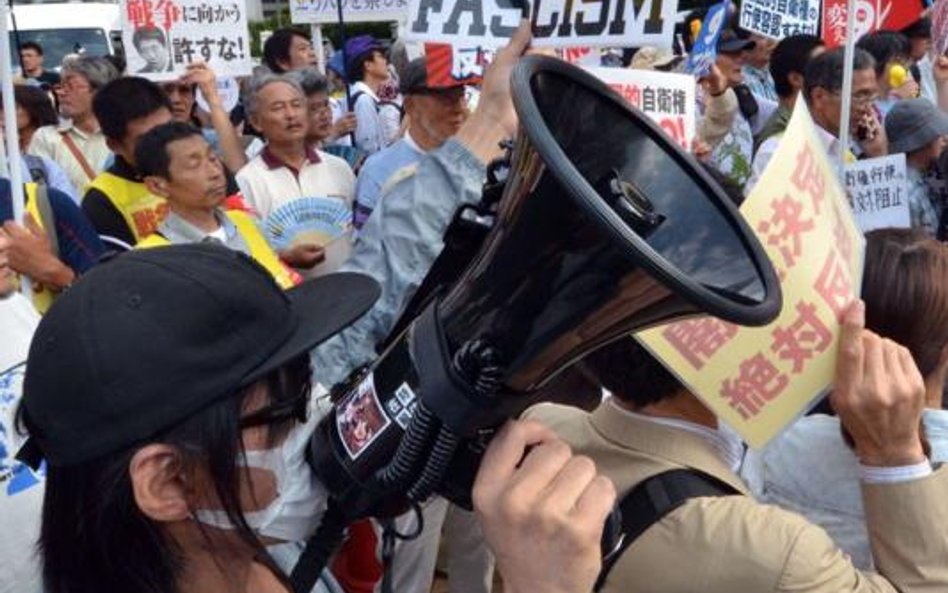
[48, 142]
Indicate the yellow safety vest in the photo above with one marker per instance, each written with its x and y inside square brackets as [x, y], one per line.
[42, 296]
[142, 210]
[260, 250]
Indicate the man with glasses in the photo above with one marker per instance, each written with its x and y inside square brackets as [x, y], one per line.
[77, 144]
[434, 115]
[822, 89]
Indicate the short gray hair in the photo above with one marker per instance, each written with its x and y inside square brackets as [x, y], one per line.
[826, 70]
[312, 81]
[262, 81]
[96, 70]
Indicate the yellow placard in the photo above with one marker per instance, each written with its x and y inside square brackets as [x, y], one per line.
[758, 380]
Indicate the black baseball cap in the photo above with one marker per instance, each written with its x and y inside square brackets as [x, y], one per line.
[415, 79]
[730, 42]
[147, 339]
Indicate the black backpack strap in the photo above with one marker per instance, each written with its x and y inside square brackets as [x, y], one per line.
[652, 499]
[355, 99]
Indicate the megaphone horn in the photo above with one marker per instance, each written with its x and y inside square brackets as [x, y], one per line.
[605, 227]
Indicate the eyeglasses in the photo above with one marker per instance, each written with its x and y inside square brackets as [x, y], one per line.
[72, 87]
[181, 89]
[296, 408]
[860, 98]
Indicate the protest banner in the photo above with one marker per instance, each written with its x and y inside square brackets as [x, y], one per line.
[871, 15]
[667, 98]
[878, 193]
[556, 23]
[940, 28]
[354, 11]
[447, 65]
[161, 37]
[780, 18]
[758, 380]
[581, 56]
[705, 49]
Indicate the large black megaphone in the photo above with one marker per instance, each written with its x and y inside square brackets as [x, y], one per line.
[605, 227]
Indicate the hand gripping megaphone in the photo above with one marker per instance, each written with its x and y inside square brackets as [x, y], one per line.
[605, 227]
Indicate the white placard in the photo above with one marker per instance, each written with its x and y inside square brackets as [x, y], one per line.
[781, 18]
[878, 191]
[667, 98]
[556, 23]
[227, 89]
[161, 37]
[353, 11]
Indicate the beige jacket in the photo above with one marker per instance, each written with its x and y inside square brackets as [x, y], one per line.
[733, 544]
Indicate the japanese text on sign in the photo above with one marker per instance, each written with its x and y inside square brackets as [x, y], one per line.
[353, 11]
[877, 191]
[759, 379]
[780, 18]
[556, 23]
[667, 98]
[871, 15]
[162, 37]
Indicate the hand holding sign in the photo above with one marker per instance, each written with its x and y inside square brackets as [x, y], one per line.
[495, 118]
[879, 394]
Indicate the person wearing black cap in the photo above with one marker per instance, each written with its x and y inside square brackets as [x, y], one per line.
[733, 153]
[173, 441]
[434, 115]
[366, 70]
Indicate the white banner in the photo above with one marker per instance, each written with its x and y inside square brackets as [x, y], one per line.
[353, 11]
[781, 18]
[667, 98]
[556, 23]
[877, 190]
[162, 37]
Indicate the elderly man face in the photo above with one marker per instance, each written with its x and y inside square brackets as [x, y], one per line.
[75, 95]
[280, 113]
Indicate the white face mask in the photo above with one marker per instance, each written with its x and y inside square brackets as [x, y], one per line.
[301, 499]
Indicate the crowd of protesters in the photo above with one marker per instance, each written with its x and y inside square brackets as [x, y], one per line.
[162, 429]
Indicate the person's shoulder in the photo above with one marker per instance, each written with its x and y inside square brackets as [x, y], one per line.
[254, 168]
[334, 162]
[45, 135]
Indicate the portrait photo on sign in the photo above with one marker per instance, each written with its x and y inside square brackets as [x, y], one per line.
[360, 418]
[152, 47]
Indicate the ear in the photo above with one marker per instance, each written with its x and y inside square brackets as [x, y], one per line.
[159, 483]
[157, 186]
[254, 120]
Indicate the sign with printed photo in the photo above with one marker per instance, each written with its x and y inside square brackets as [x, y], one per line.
[360, 418]
[758, 380]
[878, 193]
[667, 98]
[781, 18]
[353, 11]
[556, 23]
[161, 37]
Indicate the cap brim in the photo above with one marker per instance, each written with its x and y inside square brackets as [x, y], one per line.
[736, 45]
[324, 306]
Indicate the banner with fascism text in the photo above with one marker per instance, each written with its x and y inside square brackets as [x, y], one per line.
[556, 23]
[161, 37]
[667, 98]
[758, 380]
[353, 11]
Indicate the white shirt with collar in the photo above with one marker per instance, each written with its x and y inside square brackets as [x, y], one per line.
[48, 142]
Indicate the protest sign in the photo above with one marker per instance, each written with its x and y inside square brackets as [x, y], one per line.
[556, 23]
[758, 380]
[581, 56]
[353, 11]
[871, 15]
[705, 49]
[940, 28]
[780, 18]
[227, 89]
[161, 37]
[667, 98]
[447, 65]
[878, 193]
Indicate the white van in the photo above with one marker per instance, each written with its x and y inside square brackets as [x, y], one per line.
[63, 28]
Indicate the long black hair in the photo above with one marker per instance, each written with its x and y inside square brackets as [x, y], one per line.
[95, 538]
